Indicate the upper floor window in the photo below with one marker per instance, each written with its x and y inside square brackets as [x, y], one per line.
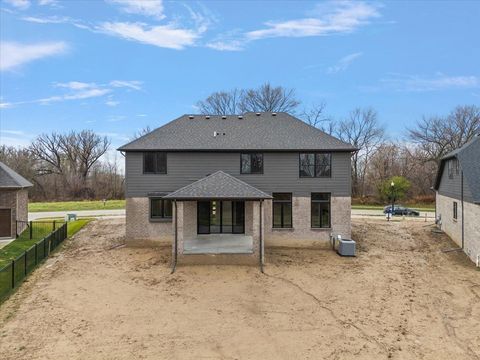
[154, 162]
[455, 210]
[251, 163]
[457, 166]
[160, 208]
[315, 165]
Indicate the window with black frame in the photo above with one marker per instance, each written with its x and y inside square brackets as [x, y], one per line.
[320, 210]
[160, 209]
[455, 210]
[282, 210]
[315, 165]
[251, 163]
[154, 162]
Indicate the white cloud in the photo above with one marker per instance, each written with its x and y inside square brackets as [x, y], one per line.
[438, 82]
[334, 17]
[19, 4]
[47, 19]
[47, 2]
[112, 103]
[343, 63]
[77, 90]
[132, 84]
[165, 36]
[13, 54]
[152, 8]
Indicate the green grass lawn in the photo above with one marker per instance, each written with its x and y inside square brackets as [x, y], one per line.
[76, 205]
[421, 207]
[23, 242]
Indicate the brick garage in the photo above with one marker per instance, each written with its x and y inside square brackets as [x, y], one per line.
[13, 200]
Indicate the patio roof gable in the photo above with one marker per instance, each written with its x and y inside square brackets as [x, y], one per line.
[218, 185]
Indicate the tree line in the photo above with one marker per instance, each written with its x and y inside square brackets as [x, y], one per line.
[78, 165]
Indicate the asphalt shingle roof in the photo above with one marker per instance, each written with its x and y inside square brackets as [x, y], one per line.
[469, 157]
[218, 185]
[266, 131]
[10, 179]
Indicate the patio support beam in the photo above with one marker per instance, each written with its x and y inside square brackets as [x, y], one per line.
[261, 237]
[175, 240]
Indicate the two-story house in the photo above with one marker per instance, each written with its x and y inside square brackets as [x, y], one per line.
[458, 197]
[228, 185]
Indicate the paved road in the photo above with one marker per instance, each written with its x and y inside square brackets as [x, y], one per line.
[362, 212]
[80, 213]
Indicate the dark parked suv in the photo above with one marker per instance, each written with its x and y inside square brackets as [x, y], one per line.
[400, 210]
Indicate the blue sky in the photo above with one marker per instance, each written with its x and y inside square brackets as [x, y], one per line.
[117, 66]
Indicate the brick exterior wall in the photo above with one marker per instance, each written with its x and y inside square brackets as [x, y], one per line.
[453, 228]
[140, 230]
[302, 233]
[17, 202]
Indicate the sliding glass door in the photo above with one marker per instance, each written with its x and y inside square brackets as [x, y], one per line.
[220, 217]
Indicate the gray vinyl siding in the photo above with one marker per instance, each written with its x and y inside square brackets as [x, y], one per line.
[452, 187]
[280, 173]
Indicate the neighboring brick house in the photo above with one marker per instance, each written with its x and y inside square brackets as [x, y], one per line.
[13, 200]
[458, 197]
[237, 182]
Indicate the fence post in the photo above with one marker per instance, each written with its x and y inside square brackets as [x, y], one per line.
[53, 225]
[25, 257]
[36, 253]
[31, 229]
[16, 229]
[65, 231]
[13, 274]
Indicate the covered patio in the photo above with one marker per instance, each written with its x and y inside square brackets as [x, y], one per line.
[218, 218]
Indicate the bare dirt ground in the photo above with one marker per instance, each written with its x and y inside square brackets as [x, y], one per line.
[400, 298]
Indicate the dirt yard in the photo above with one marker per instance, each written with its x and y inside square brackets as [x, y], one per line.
[401, 298]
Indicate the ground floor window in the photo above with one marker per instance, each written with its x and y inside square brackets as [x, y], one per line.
[220, 217]
[320, 210]
[455, 210]
[282, 210]
[160, 209]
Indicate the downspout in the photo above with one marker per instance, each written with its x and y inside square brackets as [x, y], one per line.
[463, 224]
[175, 240]
[261, 237]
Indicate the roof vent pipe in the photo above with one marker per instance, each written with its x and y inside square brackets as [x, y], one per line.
[258, 114]
[190, 117]
[224, 117]
[274, 114]
[240, 116]
[207, 117]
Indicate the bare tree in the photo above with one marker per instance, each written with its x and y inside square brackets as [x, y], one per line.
[315, 116]
[70, 157]
[141, 132]
[437, 135]
[264, 98]
[221, 103]
[270, 99]
[363, 131]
